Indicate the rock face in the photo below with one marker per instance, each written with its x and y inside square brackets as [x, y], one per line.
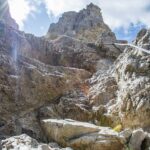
[133, 77]
[32, 85]
[28, 84]
[143, 39]
[75, 72]
[74, 104]
[66, 51]
[86, 25]
[5, 14]
[103, 87]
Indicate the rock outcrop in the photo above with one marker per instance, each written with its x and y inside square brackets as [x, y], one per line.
[81, 135]
[86, 25]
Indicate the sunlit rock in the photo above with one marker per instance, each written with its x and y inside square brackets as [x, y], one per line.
[80, 135]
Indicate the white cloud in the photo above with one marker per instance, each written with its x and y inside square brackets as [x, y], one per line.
[57, 7]
[20, 10]
[116, 13]
[120, 13]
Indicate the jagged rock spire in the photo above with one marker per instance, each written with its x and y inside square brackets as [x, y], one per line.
[87, 25]
[92, 6]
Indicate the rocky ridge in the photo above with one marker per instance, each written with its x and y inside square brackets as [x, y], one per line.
[73, 72]
[86, 25]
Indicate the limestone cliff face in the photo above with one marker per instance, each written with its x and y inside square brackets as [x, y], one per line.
[133, 77]
[73, 74]
[5, 14]
[86, 25]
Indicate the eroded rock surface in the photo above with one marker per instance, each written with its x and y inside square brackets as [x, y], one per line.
[80, 135]
[133, 77]
[25, 142]
[136, 140]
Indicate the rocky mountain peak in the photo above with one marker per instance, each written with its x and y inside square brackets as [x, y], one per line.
[87, 25]
[93, 7]
[5, 16]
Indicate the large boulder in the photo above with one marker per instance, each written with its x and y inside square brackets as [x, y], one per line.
[80, 135]
[136, 139]
[19, 142]
[63, 130]
[27, 143]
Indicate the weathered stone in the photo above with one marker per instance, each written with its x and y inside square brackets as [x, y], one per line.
[80, 135]
[126, 134]
[142, 39]
[18, 142]
[30, 87]
[74, 105]
[133, 98]
[63, 130]
[136, 140]
[103, 87]
[25, 142]
[88, 26]
[146, 142]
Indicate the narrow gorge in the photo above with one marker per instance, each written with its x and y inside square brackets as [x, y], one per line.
[74, 88]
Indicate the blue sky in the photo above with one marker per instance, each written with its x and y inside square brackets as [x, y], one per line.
[37, 23]
[124, 17]
[130, 33]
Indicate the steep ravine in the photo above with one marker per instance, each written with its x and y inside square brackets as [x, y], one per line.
[73, 88]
